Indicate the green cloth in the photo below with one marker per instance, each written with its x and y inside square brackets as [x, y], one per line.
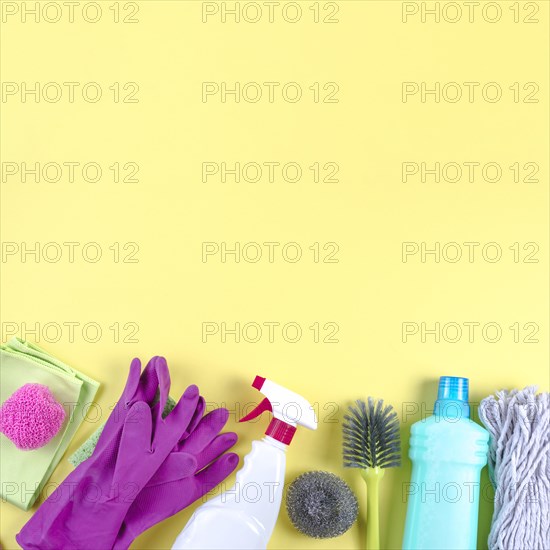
[23, 474]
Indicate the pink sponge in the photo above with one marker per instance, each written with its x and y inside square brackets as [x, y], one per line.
[31, 416]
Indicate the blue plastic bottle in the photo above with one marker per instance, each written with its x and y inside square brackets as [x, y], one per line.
[448, 451]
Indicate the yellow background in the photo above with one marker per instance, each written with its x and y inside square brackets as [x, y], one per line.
[369, 213]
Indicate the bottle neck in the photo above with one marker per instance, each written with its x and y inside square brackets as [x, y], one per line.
[280, 431]
[274, 443]
[452, 398]
[452, 409]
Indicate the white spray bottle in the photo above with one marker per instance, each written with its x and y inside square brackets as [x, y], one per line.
[244, 516]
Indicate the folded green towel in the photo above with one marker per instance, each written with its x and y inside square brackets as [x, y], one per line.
[23, 474]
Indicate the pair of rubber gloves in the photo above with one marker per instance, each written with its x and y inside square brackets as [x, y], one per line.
[145, 468]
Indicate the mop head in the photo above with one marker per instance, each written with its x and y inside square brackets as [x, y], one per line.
[31, 417]
[86, 450]
[321, 505]
[519, 467]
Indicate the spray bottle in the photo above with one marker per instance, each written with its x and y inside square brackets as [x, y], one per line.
[244, 516]
[448, 451]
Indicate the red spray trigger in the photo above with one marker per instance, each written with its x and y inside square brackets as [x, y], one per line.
[264, 405]
[282, 426]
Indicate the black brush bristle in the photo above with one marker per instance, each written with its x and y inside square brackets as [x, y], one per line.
[371, 436]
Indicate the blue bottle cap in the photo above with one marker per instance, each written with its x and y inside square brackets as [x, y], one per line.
[452, 397]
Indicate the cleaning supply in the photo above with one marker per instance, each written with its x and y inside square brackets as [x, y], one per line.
[195, 466]
[98, 501]
[139, 449]
[87, 448]
[244, 517]
[31, 417]
[448, 451]
[519, 467]
[371, 443]
[321, 505]
[23, 473]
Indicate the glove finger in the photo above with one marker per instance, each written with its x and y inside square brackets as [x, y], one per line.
[209, 427]
[133, 380]
[176, 466]
[188, 490]
[214, 474]
[163, 389]
[168, 430]
[221, 444]
[163, 375]
[119, 412]
[135, 440]
[149, 382]
[197, 417]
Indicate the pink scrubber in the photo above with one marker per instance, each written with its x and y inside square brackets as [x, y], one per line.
[31, 416]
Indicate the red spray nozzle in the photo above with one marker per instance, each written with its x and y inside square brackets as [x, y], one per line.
[289, 410]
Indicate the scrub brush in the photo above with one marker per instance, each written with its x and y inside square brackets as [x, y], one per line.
[371, 443]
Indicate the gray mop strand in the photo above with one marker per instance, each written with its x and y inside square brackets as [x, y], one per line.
[519, 467]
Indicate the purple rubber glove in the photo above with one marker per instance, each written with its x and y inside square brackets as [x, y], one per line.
[102, 489]
[195, 467]
[150, 385]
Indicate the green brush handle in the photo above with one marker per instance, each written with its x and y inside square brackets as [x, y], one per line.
[372, 477]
